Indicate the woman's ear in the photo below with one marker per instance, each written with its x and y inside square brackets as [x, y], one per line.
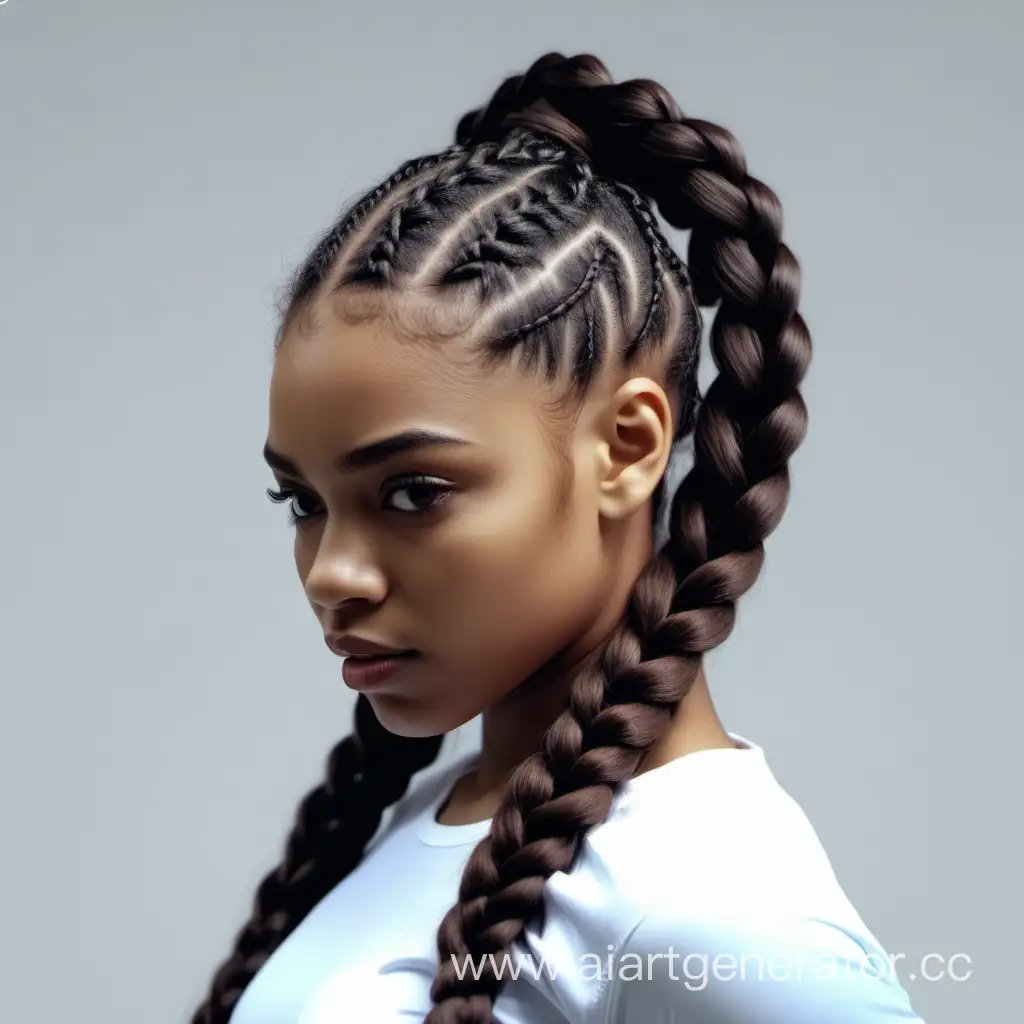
[636, 443]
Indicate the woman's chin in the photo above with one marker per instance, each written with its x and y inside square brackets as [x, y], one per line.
[413, 717]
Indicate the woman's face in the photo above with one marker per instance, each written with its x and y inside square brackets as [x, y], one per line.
[476, 568]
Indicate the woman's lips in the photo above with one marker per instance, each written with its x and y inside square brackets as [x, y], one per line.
[367, 673]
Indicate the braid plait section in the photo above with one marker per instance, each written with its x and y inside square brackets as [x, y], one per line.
[519, 92]
[477, 166]
[365, 773]
[509, 235]
[326, 250]
[750, 423]
[656, 245]
[511, 338]
[516, 231]
[481, 165]
[682, 368]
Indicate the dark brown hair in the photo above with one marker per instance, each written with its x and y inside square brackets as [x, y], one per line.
[562, 164]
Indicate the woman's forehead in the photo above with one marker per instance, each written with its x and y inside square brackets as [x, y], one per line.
[354, 382]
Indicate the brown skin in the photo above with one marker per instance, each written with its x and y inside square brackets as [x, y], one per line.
[501, 593]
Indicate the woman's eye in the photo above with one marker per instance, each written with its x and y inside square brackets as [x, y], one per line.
[419, 494]
[412, 496]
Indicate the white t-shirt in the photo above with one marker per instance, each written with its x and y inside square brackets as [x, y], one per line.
[705, 897]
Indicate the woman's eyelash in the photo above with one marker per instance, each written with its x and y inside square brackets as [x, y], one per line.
[440, 487]
[283, 495]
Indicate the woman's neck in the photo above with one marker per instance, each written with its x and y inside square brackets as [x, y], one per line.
[511, 734]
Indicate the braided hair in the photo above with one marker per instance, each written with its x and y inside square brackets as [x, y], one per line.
[537, 227]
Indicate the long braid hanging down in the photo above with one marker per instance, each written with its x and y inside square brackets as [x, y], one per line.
[366, 773]
[557, 172]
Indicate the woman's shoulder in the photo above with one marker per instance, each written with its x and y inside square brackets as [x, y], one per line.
[710, 838]
[719, 816]
[707, 857]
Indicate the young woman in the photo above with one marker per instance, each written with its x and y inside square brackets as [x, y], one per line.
[484, 374]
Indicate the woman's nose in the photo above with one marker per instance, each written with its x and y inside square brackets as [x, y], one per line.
[342, 570]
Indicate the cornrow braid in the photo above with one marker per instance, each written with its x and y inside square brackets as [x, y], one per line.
[481, 166]
[473, 167]
[683, 368]
[508, 236]
[325, 253]
[509, 338]
[515, 230]
[657, 244]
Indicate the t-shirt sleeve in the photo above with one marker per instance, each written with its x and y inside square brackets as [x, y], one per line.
[795, 970]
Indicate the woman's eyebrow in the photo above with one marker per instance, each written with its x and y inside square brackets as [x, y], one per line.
[372, 454]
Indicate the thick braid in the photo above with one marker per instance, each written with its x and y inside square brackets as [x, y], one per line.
[366, 772]
[518, 92]
[684, 602]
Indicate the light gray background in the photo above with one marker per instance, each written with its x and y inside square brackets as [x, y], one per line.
[166, 695]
